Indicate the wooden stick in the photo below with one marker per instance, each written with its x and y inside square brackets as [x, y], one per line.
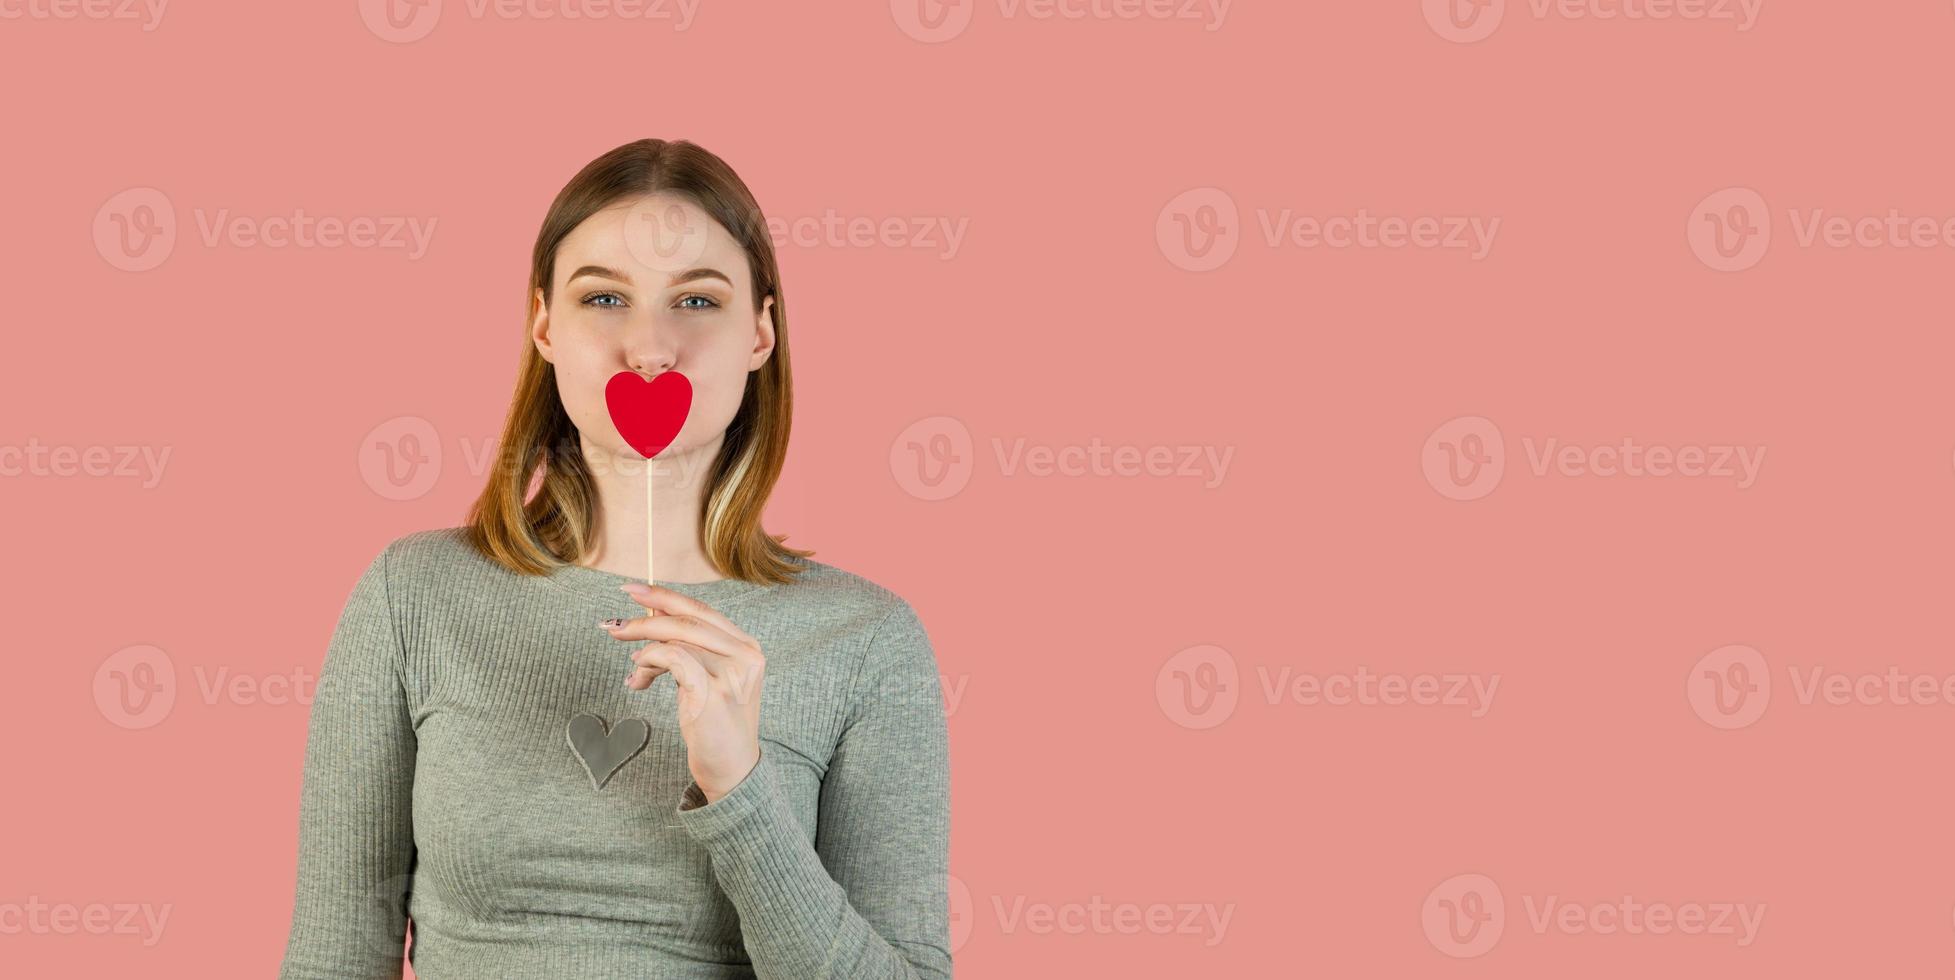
[648, 522]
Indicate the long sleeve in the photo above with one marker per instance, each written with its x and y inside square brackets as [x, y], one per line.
[869, 899]
[356, 835]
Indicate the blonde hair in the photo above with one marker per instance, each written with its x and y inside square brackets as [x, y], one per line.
[540, 446]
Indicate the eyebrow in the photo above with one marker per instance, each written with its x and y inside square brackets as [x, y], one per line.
[683, 277]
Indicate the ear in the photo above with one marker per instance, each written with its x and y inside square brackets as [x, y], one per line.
[763, 346]
[539, 326]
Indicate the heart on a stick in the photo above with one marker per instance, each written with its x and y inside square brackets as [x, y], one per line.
[648, 414]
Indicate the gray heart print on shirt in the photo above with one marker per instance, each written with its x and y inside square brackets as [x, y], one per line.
[605, 749]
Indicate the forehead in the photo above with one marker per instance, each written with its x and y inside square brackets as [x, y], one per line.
[651, 238]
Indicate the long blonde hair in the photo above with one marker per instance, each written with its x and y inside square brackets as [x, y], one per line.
[540, 446]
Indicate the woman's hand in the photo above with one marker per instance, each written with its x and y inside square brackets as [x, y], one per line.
[718, 668]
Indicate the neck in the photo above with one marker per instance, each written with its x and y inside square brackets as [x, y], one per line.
[678, 492]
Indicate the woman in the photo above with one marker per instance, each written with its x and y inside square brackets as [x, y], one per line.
[492, 759]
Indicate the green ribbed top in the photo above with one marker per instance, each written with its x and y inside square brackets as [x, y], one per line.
[443, 785]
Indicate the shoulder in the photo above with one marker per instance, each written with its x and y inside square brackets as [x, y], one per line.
[441, 547]
[839, 595]
[884, 626]
[436, 560]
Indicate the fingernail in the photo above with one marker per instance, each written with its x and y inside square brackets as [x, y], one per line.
[610, 624]
[636, 588]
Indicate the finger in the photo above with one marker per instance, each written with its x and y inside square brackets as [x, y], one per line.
[710, 664]
[686, 670]
[662, 599]
[739, 679]
[641, 677]
[683, 628]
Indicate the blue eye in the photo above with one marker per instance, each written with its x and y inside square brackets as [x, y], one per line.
[594, 301]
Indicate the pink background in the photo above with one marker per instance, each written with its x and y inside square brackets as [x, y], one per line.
[1606, 765]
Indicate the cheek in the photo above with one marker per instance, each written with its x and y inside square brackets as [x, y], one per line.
[718, 386]
[585, 361]
[577, 342]
[713, 406]
[582, 369]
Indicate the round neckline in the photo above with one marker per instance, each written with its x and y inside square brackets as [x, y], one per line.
[600, 584]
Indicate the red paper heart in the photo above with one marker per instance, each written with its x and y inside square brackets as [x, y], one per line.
[648, 414]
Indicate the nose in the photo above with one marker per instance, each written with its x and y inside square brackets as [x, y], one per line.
[650, 352]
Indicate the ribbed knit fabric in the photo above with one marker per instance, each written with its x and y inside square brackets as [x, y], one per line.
[440, 784]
